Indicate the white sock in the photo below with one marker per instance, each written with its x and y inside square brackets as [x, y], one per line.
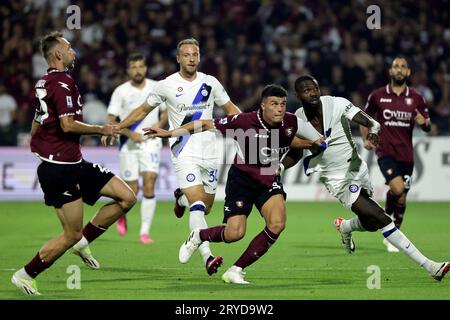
[401, 242]
[197, 220]
[183, 201]
[23, 274]
[83, 243]
[148, 206]
[352, 225]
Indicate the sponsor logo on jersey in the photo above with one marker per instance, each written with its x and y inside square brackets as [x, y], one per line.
[79, 100]
[178, 95]
[408, 101]
[190, 177]
[385, 100]
[353, 188]
[180, 89]
[399, 115]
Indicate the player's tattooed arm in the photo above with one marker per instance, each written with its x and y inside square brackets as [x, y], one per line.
[370, 135]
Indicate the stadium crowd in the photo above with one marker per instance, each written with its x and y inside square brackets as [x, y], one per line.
[245, 44]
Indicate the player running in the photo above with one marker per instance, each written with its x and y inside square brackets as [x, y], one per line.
[138, 155]
[190, 95]
[397, 107]
[345, 174]
[263, 138]
[66, 179]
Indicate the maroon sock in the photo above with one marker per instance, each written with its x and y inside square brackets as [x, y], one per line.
[91, 232]
[391, 202]
[259, 246]
[36, 266]
[399, 212]
[213, 234]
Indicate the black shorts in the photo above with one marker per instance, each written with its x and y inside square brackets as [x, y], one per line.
[64, 183]
[391, 168]
[242, 192]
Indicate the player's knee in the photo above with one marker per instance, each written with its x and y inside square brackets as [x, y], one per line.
[128, 201]
[398, 190]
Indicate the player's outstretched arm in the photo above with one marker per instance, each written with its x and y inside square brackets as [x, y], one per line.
[231, 108]
[136, 115]
[189, 128]
[371, 133]
[69, 125]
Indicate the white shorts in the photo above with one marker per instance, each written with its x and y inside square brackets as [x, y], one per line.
[193, 172]
[133, 163]
[346, 187]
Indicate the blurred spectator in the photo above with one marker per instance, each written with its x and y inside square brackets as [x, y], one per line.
[8, 107]
[247, 44]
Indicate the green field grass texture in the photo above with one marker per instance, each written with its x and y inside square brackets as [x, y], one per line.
[307, 261]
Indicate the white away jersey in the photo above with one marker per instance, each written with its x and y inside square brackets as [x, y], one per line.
[187, 101]
[124, 100]
[341, 153]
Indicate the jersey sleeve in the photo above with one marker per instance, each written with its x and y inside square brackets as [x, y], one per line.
[115, 103]
[422, 107]
[371, 108]
[157, 96]
[63, 93]
[220, 95]
[346, 108]
[230, 122]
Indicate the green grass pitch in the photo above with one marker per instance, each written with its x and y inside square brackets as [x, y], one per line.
[307, 261]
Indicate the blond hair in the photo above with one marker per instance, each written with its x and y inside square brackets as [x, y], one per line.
[187, 41]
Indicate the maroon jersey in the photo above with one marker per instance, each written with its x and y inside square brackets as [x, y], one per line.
[396, 116]
[260, 146]
[57, 96]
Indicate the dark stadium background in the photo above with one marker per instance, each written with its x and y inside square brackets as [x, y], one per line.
[245, 44]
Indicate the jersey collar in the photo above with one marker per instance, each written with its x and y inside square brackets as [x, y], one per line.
[404, 92]
[263, 123]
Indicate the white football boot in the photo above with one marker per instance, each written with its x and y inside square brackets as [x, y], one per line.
[188, 247]
[234, 275]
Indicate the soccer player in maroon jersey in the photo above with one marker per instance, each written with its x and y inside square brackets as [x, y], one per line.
[398, 108]
[263, 138]
[66, 179]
